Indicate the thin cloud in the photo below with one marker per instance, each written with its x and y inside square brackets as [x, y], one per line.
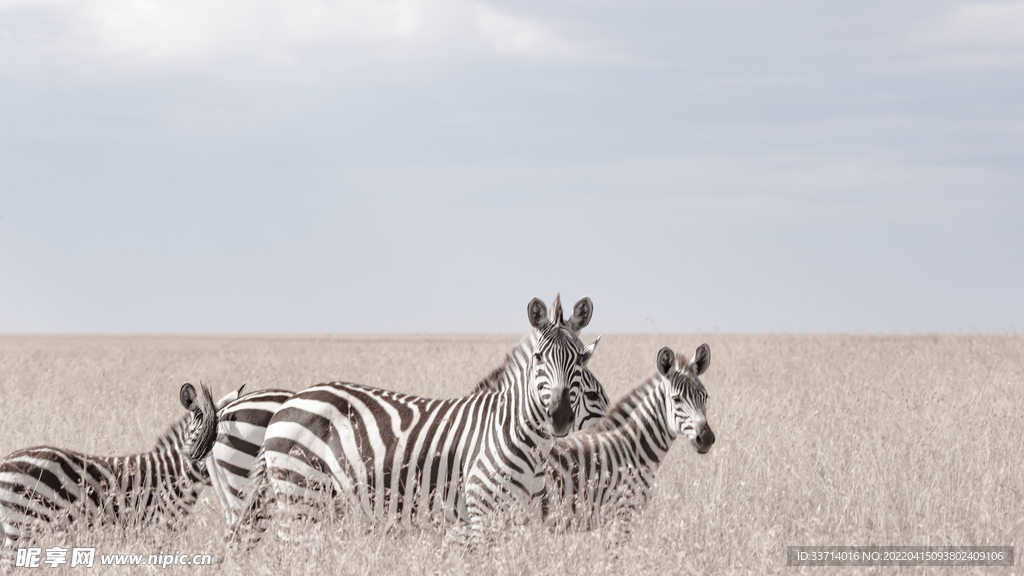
[147, 33]
[511, 35]
[972, 36]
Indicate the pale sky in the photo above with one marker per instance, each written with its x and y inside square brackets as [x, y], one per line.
[429, 166]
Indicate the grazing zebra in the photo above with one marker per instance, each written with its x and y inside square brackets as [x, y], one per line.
[46, 485]
[604, 474]
[400, 457]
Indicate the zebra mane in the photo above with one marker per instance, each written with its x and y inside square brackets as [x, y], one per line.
[492, 383]
[175, 436]
[624, 407]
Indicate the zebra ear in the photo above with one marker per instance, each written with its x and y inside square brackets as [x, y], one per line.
[581, 314]
[701, 359]
[588, 351]
[537, 313]
[666, 361]
[187, 395]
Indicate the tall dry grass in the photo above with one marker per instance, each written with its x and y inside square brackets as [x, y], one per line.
[847, 440]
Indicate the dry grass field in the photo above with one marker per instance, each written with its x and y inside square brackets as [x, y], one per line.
[837, 439]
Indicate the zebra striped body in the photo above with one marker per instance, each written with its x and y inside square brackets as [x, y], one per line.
[399, 457]
[241, 427]
[605, 474]
[50, 486]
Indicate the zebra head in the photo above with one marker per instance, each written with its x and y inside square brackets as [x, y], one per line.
[686, 396]
[558, 361]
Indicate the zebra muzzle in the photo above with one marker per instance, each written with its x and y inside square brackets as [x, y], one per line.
[702, 442]
[561, 413]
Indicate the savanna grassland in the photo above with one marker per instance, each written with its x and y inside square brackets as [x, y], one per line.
[836, 439]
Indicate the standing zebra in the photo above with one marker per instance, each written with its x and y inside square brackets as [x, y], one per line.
[242, 427]
[46, 485]
[605, 473]
[400, 457]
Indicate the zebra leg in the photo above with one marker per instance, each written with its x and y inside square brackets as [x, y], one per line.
[490, 509]
[22, 517]
[11, 533]
[255, 515]
[310, 500]
[10, 530]
[620, 524]
[221, 488]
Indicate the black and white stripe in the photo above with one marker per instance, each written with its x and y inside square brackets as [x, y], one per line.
[605, 473]
[61, 488]
[399, 457]
[241, 428]
[594, 397]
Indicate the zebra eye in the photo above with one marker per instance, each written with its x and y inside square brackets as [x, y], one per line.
[538, 358]
[593, 396]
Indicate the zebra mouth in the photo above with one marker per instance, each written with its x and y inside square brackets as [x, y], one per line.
[560, 427]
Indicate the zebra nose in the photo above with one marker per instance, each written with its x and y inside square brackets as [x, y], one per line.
[704, 440]
[561, 414]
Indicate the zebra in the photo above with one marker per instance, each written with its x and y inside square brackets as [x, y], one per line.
[399, 457]
[51, 486]
[604, 474]
[242, 426]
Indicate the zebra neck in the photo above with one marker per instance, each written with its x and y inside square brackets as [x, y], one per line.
[513, 372]
[623, 409]
[648, 422]
[172, 448]
[501, 377]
